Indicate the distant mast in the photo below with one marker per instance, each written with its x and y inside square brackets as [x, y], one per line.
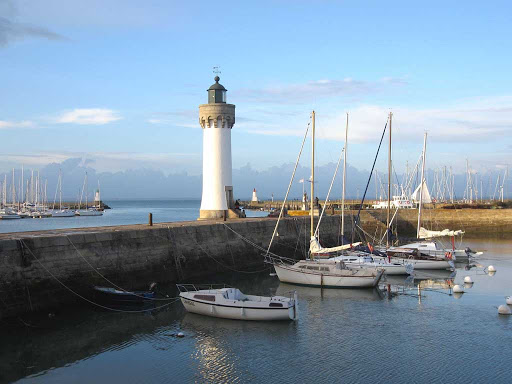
[421, 185]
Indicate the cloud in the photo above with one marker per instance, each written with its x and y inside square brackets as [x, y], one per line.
[317, 89]
[480, 120]
[470, 122]
[11, 30]
[91, 116]
[16, 124]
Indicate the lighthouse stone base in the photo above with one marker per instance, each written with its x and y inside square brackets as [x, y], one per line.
[206, 214]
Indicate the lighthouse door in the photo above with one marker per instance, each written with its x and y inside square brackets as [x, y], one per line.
[229, 197]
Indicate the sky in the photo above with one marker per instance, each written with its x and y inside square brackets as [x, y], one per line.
[117, 83]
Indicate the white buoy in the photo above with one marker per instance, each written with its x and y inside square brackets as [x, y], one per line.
[504, 310]
[508, 300]
[458, 295]
[180, 334]
[468, 280]
[491, 268]
[458, 289]
[273, 274]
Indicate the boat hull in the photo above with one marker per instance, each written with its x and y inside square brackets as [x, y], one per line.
[9, 217]
[63, 214]
[388, 269]
[428, 264]
[291, 275]
[238, 312]
[89, 213]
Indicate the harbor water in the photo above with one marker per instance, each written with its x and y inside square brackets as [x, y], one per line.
[123, 212]
[407, 331]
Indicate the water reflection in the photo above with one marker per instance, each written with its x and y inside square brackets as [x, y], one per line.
[218, 340]
[342, 294]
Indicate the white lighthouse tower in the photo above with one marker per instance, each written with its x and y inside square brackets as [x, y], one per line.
[254, 196]
[217, 118]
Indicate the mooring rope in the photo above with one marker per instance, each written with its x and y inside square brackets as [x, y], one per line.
[86, 299]
[109, 281]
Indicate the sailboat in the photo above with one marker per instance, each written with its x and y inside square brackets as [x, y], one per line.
[87, 211]
[314, 271]
[413, 251]
[61, 212]
[357, 259]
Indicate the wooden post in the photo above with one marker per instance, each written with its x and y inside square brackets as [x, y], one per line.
[150, 219]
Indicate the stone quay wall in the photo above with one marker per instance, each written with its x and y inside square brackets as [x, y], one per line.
[38, 270]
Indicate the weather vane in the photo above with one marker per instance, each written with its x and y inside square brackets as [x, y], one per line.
[216, 70]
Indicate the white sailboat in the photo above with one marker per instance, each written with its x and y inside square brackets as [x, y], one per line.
[358, 260]
[412, 252]
[326, 273]
[87, 211]
[8, 213]
[61, 212]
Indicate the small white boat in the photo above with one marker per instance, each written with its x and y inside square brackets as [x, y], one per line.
[435, 249]
[419, 260]
[88, 212]
[40, 214]
[230, 303]
[391, 267]
[9, 216]
[63, 213]
[326, 274]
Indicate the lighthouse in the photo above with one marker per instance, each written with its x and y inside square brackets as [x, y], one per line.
[217, 119]
[254, 196]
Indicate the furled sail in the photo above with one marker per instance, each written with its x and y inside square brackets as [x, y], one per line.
[426, 234]
[315, 247]
[426, 199]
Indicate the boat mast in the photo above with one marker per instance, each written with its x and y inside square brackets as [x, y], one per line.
[60, 189]
[312, 174]
[86, 202]
[13, 190]
[389, 182]
[343, 192]
[21, 191]
[421, 185]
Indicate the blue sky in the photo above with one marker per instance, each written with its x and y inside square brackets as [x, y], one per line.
[119, 82]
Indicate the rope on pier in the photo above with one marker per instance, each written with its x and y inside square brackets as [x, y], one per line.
[86, 299]
[109, 281]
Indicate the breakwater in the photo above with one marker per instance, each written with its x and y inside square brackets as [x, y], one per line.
[475, 222]
[48, 268]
